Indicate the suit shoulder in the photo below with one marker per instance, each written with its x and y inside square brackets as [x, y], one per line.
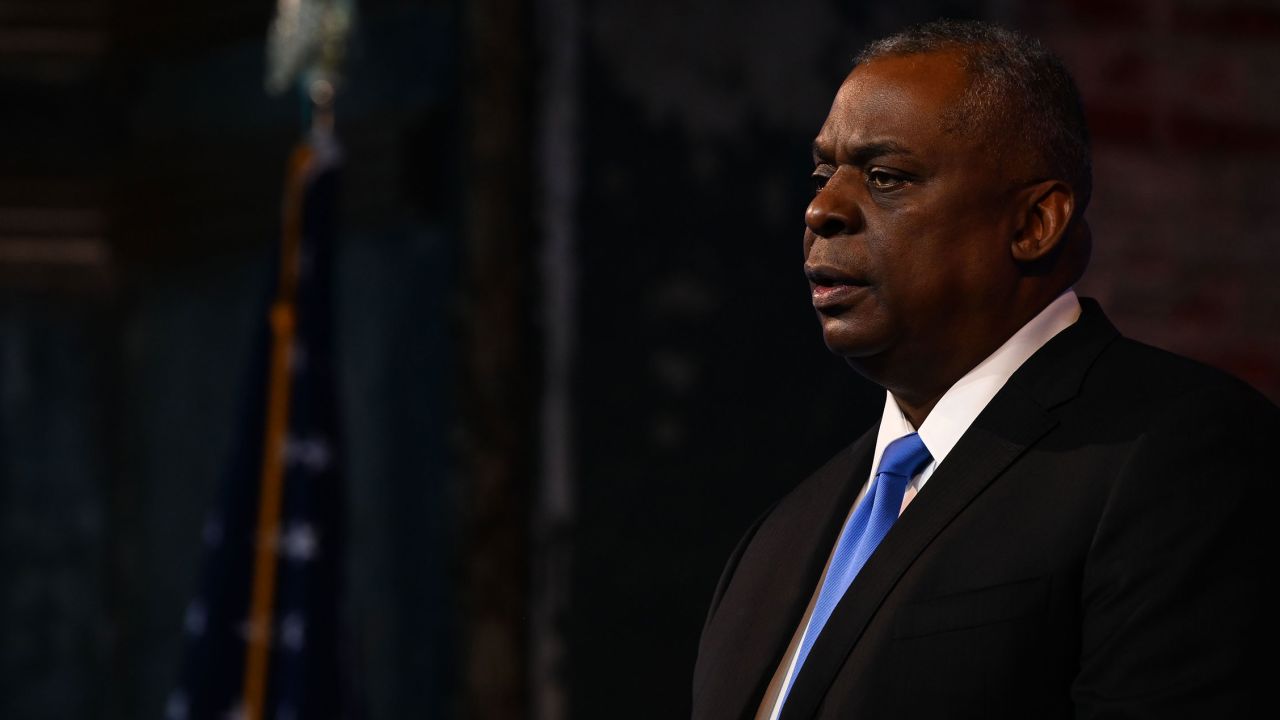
[1150, 377]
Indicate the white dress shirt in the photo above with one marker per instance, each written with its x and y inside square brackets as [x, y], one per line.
[950, 418]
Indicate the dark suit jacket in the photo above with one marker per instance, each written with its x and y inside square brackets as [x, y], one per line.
[1094, 546]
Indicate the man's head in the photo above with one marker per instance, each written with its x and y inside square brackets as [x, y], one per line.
[1020, 95]
[950, 179]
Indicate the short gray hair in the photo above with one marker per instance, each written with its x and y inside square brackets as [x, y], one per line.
[1017, 87]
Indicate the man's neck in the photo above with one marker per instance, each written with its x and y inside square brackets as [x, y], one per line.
[1013, 351]
[916, 412]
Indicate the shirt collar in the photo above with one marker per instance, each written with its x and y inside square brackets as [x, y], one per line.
[961, 404]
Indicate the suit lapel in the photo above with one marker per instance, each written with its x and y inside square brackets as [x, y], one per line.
[1014, 420]
[770, 598]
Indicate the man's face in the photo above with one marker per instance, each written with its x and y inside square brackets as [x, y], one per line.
[907, 238]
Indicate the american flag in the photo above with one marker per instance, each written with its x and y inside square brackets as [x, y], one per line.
[262, 636]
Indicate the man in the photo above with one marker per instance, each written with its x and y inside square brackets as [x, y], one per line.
[1050, 520]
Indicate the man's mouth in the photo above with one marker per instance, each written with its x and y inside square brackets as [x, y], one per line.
[832, 288]
[833, 297]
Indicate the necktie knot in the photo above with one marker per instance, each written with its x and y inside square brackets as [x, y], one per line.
[904, 457]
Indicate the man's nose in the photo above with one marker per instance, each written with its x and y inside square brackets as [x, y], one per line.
[832, 211]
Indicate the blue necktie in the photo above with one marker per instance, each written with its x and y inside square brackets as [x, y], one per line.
[902, 459]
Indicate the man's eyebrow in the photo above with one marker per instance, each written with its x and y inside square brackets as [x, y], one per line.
[861, 154]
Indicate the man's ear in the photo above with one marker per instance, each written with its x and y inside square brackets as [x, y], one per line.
[1046, 209]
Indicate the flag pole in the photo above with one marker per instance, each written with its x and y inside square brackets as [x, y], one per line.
[299, 52]
[271, 491]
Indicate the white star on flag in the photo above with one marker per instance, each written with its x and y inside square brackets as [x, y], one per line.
[293, 631]
[299, 542]
[311, 453]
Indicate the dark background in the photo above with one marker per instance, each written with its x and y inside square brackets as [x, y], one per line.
[141, 165]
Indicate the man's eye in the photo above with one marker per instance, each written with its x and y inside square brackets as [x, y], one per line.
[881, 180]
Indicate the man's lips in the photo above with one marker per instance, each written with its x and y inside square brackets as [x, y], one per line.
[832, 288]
[830, 297]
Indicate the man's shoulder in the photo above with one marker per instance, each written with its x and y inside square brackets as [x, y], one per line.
[1142, 376]
[1171, 418]
[1091, 367]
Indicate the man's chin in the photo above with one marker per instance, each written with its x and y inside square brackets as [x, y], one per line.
[851, 340]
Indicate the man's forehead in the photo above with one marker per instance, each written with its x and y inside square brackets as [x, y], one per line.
[895, 100]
